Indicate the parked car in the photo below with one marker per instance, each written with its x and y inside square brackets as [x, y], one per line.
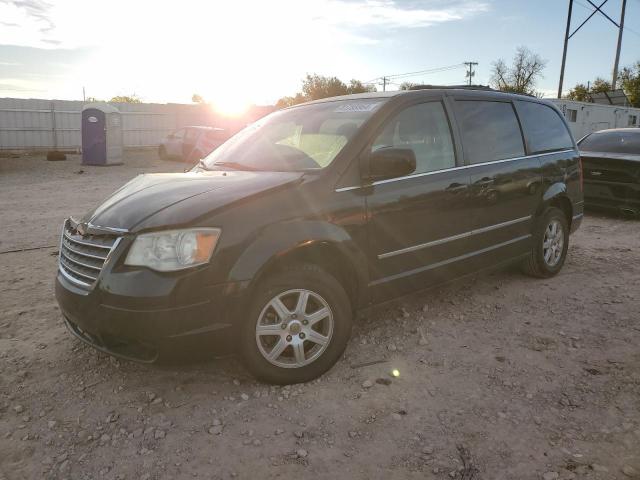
[611, 161]
[271, 244]
[190, 144]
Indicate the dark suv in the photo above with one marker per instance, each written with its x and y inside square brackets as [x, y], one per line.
[272, 243]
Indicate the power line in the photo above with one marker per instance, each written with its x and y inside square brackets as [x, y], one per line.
[427, 72]
[397, 76]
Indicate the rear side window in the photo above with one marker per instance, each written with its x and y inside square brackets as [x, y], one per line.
[423, 128]
[490, 130]
[543, 128]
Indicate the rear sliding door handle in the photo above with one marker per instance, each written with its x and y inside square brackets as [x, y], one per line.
[484, 181]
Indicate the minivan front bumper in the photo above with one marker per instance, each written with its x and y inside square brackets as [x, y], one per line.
[156, 327]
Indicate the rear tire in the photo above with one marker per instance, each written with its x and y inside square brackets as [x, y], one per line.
[550, 244]
[296, 327]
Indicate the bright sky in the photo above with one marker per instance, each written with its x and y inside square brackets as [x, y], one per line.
[235, 52]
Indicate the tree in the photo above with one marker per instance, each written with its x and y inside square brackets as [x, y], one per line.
[197, 98]
[582, 92]
[356, 86]
[315, 87]
[290, 101]
[600, 85]
[630, 81]
[126, 99]
[407, 85]
[521, 76]
[579, 93]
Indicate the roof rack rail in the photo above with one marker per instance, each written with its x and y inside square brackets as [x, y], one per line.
[451, 87]
[485, 88]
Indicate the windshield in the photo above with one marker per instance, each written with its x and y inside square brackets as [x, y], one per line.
[615, 142]
[308, 137]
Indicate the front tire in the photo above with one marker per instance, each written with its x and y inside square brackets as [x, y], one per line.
[297, 326]
[550, 244]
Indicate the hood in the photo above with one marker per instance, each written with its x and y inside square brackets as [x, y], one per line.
[148, 194]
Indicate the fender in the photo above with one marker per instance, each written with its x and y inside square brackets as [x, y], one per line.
[280, 239]
[554, 190]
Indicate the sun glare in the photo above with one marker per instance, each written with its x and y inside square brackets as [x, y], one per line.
[233, 105]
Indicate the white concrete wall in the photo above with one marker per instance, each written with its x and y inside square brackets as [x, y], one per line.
[34, 124]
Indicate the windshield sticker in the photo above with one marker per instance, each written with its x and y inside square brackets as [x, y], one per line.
[356, 107]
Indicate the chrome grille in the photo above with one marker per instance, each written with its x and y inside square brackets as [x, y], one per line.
[83, 256]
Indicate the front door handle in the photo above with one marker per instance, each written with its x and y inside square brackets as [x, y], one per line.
[456, 187]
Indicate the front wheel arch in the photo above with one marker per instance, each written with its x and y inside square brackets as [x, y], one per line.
[331, 249]
[324, 255]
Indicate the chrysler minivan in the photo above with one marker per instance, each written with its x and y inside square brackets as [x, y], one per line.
[272, 243]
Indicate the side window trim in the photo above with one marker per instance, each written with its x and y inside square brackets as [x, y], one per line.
[462, 167]
[390, 116]
[454, 125]
[529, 151]
[466, 161]
[525, 141]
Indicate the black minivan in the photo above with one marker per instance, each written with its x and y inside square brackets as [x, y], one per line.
[271, 244]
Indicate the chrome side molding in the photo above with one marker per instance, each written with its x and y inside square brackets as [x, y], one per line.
[453, 237]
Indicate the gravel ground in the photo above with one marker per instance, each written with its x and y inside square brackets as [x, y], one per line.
[501, 376]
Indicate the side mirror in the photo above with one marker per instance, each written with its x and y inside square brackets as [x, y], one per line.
[391, 162]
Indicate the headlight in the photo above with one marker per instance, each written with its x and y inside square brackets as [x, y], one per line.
[173, 249]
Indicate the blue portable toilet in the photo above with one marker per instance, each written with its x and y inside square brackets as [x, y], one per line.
[101, 134]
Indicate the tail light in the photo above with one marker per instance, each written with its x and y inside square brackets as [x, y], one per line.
[581, 169]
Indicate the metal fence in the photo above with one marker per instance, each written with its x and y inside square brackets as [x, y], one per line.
[55, 124]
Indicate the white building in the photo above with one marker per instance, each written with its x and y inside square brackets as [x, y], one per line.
[585, 117]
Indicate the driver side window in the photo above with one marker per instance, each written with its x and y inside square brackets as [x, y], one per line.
[423, 128]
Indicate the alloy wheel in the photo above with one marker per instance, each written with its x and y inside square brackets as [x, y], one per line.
[553, 243]
[294, 328]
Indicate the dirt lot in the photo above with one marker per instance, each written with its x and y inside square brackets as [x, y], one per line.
[534, 379]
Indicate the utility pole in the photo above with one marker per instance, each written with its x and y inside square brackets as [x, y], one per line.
[384, 84]
[620, 29]
[564, 51]
[470, 72]
[567, 36]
